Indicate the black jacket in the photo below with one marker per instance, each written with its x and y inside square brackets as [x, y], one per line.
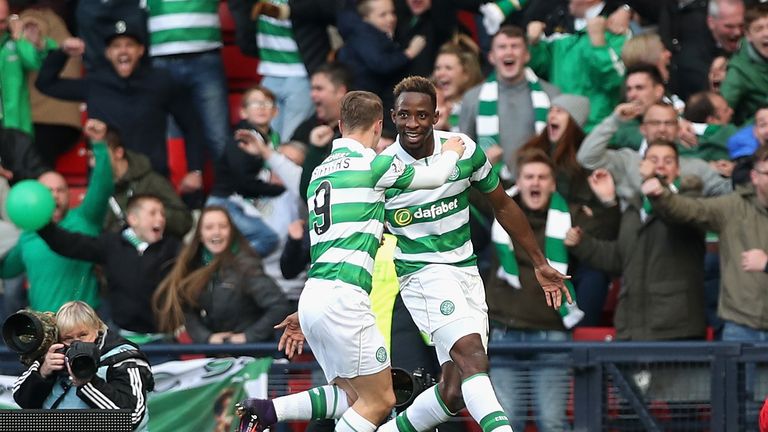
[315, 155]
[238, 172]
[138, 106]
[131, 277]
[129, 379]
[239, 298]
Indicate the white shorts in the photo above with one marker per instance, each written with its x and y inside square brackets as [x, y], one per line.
[340, 328]
[446, 303]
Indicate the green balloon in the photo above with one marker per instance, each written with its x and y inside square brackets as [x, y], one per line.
[30, 205]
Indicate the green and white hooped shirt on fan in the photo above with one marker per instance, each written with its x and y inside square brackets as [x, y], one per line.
[180, 27]
[278, 53]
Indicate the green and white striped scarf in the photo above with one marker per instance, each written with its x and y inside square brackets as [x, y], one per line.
[487, 122]
[453, 117]
[558, 224]
[130, 235]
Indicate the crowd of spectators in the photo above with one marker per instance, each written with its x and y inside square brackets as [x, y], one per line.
[642, 116]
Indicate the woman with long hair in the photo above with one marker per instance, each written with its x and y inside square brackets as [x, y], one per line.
[561, 140]
[457, 69]
[217, 289]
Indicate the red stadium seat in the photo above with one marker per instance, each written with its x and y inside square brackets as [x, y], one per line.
[234, 107]
[227, 24]
[597, 334]
[240, 70]
[76, 195]
[73, 165]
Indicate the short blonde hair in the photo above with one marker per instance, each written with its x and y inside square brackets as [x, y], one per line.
[77, 313]
[643, 48]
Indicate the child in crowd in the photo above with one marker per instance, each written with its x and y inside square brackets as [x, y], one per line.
[239, 175]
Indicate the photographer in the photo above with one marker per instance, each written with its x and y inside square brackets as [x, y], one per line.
[57, 381]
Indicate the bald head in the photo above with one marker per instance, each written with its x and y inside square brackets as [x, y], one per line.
[56, 183]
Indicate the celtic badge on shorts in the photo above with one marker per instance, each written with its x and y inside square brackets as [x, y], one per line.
[381, 354]
[447, 307]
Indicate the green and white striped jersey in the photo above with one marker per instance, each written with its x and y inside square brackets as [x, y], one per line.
[278, 53]
[346, 211]
[432, 226]
[178, 27]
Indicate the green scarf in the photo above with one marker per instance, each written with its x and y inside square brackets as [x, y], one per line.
[487, 122]
[130, 235]
[647, 209]
[558, 224]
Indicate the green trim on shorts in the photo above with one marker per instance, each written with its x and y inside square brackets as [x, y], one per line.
[403, 424]
[442, 404]
[485, 374]
[350, 426]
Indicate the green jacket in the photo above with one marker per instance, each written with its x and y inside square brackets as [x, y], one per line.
[575, 66]
[628, 135]
[746, 84]
[141, 179]
[713, 143]
[740, 220]
[54, 279]
[17, 58]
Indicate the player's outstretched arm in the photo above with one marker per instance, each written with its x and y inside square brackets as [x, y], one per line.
[292, 339]
[514, 222]
[436, 175]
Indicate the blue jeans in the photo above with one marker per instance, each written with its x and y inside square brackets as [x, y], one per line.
[293, 103]
[260, 236]
[202, 75]
[545, 387]
[741, 333]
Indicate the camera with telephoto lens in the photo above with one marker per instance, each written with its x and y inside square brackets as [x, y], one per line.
[408, 385]
[30, 334]
[83, 359]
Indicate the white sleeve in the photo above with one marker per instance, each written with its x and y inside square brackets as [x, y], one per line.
[434, 176]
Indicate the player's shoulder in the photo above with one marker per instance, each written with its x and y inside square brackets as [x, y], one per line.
[470, 146]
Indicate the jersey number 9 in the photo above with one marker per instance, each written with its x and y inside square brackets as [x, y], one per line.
[322, 208]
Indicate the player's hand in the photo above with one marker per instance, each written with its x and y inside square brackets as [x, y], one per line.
[53, 361]
[292, 339]
[321, 136]
[552, 282]
[652, 187]
[95, 129]
[454, 144]
[251, 142]
[754, 260]
[573, 237]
